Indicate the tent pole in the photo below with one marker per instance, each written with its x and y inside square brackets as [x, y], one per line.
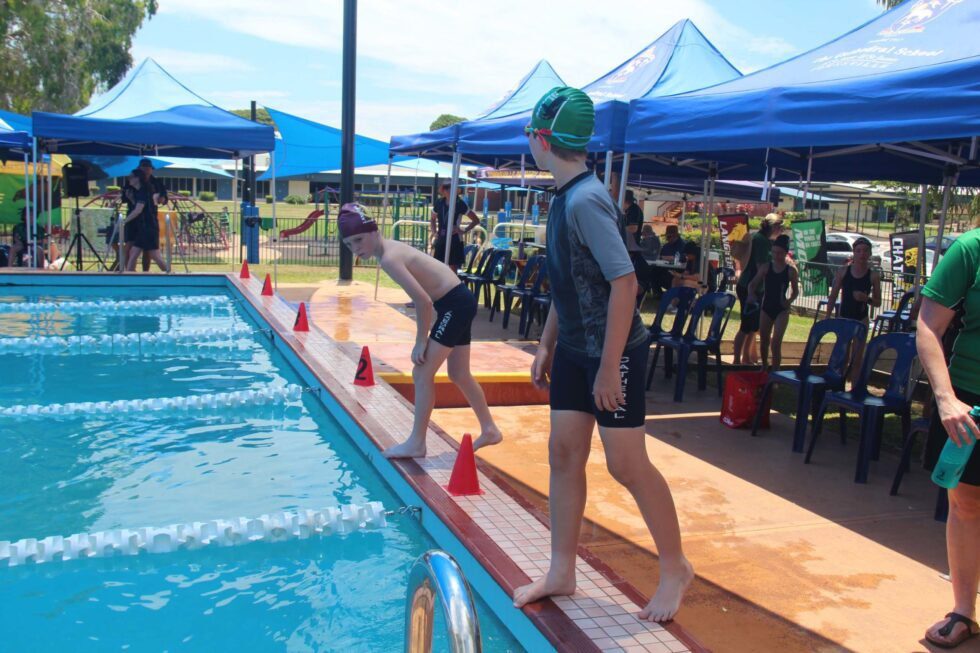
[622, 179]
[948, 182]
[706, 222]
[809, 174]
[523, 172]
[234, 219]
[275, 224]
[451, 207]
[32, 224]
[50, 209]
[607, 179]
[384, 213]
[920, 259]
[27, 193]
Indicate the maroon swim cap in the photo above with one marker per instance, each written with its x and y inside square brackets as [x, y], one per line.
[353, 220]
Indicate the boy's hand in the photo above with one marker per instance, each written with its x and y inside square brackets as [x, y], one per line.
[607, 391]
[418, 353]
[541, 368]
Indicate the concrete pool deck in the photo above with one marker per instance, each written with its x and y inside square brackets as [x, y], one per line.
[790, 557]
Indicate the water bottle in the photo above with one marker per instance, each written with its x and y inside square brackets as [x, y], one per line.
[952, 460]
[677, 258]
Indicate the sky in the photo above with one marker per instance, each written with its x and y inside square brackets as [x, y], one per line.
[418, 59]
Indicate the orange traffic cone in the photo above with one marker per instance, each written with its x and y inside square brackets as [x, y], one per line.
[301, 324]
[365, 372]
[267, 287]
[244, 273]
[463, 480]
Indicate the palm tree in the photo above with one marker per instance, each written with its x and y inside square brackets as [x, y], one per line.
[890, 4]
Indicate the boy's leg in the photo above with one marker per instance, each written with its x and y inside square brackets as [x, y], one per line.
[765, 331]
[568, 451]
[423, 377]
[629, 464]
[460, 374]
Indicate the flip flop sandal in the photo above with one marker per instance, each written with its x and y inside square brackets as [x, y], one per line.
[971, 630]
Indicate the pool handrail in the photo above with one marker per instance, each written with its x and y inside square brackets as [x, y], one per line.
[436, 574]
[426, 223]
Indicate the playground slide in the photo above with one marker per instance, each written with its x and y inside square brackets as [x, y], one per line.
[302, 226]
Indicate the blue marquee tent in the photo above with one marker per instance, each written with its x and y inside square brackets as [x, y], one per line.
[306, 147]
[896, 98]
[14, 133]
[150, 112]
[523, 97]
[679, 60]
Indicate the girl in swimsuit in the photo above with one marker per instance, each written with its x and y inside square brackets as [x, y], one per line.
[859, 288]
[776, 277]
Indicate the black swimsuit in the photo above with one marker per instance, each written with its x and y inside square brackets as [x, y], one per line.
[851, 308]
[774, 292]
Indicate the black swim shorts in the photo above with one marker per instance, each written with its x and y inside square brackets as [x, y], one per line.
[454, 316]
[572, 378]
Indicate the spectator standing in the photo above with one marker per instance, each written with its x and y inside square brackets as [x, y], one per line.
[760, 253]
[439, 225]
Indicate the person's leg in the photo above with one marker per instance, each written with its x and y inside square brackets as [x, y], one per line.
[459, 373]
[751, 354]
[779, 331]
[962, 536]
[134, 254]
[158, 259]
[424, 379]
[629, 464]
[146, 261]
[857, 357]
[568, 451]
[739, 346]
[765, 334]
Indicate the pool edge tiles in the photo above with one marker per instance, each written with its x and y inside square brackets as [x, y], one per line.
[487, 523]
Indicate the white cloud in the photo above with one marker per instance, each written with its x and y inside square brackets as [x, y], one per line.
[772, 46]
[182, 62]
[378, 120]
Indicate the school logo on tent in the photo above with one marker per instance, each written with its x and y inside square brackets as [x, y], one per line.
[919, 14]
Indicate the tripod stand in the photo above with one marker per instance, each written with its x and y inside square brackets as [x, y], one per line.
[77, 239]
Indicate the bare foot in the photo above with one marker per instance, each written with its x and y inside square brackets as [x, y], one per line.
[543, 588]
[407, 449]
[489, 437]
[667, 600]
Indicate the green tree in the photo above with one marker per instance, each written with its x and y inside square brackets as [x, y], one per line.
[445, 120]
[57, 53]
[261, 115]
[890, 4]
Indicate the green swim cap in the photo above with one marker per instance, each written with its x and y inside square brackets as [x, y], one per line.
[565, 117]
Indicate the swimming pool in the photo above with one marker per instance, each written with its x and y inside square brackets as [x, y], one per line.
[101, 469]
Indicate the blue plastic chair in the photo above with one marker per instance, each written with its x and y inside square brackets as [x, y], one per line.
[871, 409]
[810, 387]
[720, 306]
[540, 306]
[525, 287]
[469, 259]
[495, 271]
[722, 280]
[898, 319]
[476, 271]
[685, 297]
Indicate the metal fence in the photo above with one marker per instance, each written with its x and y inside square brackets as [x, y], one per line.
[816, 281]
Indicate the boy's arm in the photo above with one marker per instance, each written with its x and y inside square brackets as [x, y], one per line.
[875, 289]
[474, 222]
[834, 291]
[396, 269]
[546, 351]
[608, 391]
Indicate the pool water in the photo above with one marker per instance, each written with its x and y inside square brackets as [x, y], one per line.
[81, 473]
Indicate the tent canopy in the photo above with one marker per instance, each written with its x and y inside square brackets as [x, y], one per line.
[14, 132]
[902, 90]
[306, 147]
[681, 59]
[525, 95]
[150, 112]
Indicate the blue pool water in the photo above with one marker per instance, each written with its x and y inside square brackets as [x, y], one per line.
[82, 473]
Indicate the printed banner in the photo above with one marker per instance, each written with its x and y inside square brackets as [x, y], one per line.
[734, 227]
[905, 254]
[810, 246]
[12, 199]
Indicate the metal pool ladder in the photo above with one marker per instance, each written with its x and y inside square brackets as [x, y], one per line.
[437, 575]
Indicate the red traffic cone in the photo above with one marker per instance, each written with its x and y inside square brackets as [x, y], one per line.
[365, 372]
[244, 273]
[301, 324]
[463, 480]
[267, 287]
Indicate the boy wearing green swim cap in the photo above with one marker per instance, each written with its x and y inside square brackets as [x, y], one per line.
[593, 354]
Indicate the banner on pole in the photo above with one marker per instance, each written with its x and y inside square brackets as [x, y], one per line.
[12, 199]
[905, 254]
[734, 227]
[810, 246]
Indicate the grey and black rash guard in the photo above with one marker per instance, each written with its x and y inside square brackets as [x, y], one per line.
[586, 250]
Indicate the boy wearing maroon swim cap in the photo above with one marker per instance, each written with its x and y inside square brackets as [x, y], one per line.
[435, 289]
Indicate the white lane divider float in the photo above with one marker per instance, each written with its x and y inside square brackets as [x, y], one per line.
[119, 343]
[238, 398]
[111, 307]
[275, 527]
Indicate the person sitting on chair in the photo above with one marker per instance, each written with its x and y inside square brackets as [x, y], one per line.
[690, 277]
[650, 242]
[21, 249]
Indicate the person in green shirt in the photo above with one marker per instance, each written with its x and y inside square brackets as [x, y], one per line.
[760, 253]
[955, 286]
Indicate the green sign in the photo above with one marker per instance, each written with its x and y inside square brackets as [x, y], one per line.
[810, 246]
[12, 200]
